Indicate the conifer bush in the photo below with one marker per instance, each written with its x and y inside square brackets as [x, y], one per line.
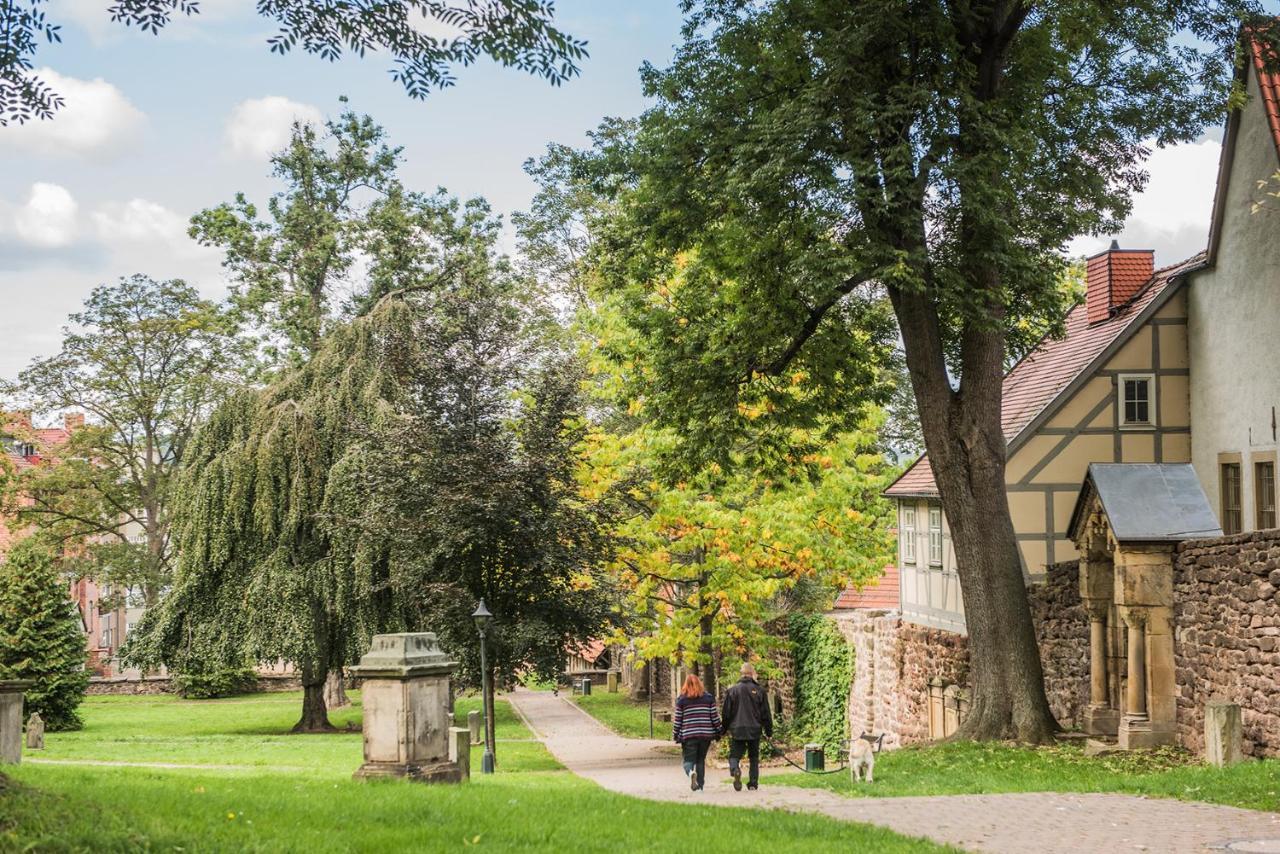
[41, 636]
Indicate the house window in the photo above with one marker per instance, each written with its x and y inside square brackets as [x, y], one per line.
[935, 536]
[908, 535]
[1137, 400]
[1264, 487]
[1231, 522]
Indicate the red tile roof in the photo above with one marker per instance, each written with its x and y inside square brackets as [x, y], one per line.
[589, 651]
[1269, 85]
[1036, 383]
[879, 595]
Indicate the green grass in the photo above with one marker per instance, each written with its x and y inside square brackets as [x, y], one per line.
[961, 768]
[623, 715]
[246, 804]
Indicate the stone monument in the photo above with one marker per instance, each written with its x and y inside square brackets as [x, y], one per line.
[35, 732]
[11, 720]
[405, 689]
[1223, 733]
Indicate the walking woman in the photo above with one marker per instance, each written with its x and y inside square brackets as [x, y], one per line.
[695, 724]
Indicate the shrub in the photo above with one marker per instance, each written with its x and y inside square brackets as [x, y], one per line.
[216, 683]
[823, 662]
[41, 634]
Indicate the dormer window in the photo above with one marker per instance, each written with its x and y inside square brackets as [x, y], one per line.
[1137, 400]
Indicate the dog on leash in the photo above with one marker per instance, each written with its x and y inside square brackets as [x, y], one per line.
[862, 757]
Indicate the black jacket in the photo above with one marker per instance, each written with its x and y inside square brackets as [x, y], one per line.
[746, 711]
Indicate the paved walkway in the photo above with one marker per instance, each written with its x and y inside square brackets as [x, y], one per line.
[1014, 823]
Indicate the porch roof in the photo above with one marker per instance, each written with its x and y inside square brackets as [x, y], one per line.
[1147, 502]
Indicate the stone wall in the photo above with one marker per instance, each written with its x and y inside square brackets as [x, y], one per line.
[1227, 635]
[163, 685]
[895, 661]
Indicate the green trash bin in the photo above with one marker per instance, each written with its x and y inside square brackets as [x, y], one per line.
[586, 687]
[814, 758]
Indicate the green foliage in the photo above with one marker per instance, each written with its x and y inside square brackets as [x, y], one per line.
[41, 636]
[145, 361]
[515, 33]
[824, 664]
[223, 682]
[626, 717]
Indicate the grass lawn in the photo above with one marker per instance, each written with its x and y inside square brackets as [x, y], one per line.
[622, 715]
[952, 769]
[245, 803]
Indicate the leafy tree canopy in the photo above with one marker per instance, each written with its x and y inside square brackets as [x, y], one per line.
[516, 33]
[145, 361]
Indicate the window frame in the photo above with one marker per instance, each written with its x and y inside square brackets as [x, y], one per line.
[1121, 402]
[1232, 516]
[935, 511]
[907, 537]
[1264, 494]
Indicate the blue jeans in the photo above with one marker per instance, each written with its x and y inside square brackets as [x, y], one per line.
[695, 757]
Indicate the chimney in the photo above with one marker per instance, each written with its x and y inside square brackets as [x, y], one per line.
[1114, 277]
[72, 421]
[18, 419]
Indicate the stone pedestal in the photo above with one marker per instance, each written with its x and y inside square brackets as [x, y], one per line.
[405, 687]
[1223, 733]
[11, 721]
[473, 725]
[611, 681]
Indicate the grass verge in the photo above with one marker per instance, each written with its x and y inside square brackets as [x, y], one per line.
[623, 715]
[966, 768]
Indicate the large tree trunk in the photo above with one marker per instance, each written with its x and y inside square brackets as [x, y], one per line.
[966, 445]
[315, 715]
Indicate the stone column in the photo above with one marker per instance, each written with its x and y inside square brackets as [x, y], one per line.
[11, 720]
[1097, 590]
[405, 688]
[1136, 701]
[1144, 596]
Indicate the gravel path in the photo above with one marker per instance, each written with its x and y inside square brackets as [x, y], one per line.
[1044, 822]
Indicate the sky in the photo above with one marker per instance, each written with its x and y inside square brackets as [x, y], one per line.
[157, 128]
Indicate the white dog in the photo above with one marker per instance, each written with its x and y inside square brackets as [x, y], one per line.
[862, 757]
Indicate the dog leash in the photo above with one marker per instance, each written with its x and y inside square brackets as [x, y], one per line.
[789, 761]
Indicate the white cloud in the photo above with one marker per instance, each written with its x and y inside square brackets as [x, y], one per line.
[137, 220]
[1172, 214]
[48, 218]
[259, 127]
[434, 27]
[96, 118]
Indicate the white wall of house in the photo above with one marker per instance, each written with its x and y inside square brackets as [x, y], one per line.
[1234, 325]
[930, 588]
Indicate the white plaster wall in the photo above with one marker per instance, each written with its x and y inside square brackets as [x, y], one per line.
[1234, 325]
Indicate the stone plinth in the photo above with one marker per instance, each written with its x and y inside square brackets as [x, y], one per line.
[405, 690]
[460, 750]
[11, 721]
[473, 725]
[611, 681]
[1222, 733]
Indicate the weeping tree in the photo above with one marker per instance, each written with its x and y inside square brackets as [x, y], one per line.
[263, 573]
[420, 459]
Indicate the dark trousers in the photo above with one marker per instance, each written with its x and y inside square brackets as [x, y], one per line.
[751, 748]
[695, 757]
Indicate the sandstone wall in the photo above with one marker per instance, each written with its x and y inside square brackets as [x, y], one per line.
[1227, 635]
[895, 661]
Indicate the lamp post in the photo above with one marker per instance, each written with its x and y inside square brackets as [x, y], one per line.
[483, 619]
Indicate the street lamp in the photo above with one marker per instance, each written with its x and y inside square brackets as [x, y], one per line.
[483, 620]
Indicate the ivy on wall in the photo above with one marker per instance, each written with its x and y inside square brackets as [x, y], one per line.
[823, 673]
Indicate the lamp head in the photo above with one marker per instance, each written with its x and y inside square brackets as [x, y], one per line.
[482, 616]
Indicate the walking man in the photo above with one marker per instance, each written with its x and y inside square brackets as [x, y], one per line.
[746, 716]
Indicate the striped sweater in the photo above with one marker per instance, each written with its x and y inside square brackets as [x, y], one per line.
[695, 717]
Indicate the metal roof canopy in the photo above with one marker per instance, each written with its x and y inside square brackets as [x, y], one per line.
[1148, 502]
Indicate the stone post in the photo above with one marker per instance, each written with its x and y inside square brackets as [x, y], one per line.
[473, 725]
[11, 720]
[937, 718]
[35, 732]
[1223, 733]
[611, 680]
[460, 750]
[405, 685]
